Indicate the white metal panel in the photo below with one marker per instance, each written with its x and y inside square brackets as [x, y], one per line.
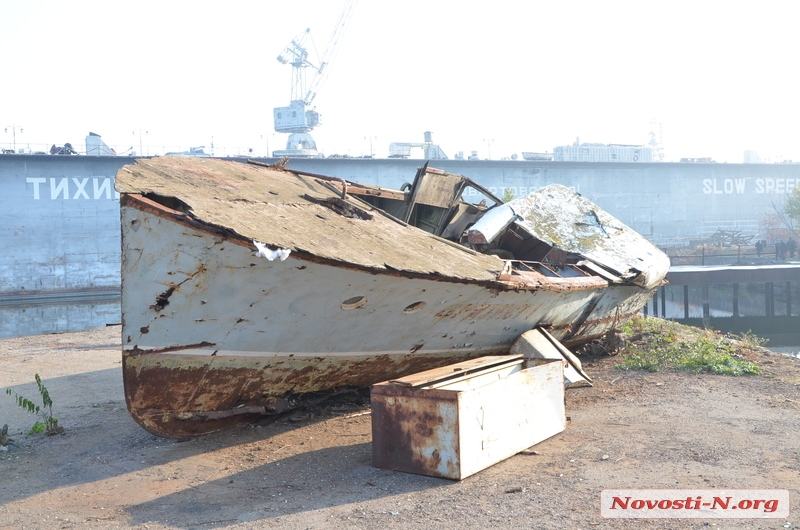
[502, 418]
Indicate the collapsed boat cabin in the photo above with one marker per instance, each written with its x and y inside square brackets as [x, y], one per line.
[248, 290]
[554, 232]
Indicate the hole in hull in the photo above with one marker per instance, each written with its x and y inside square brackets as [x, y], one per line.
[354, 303]
[413, 308]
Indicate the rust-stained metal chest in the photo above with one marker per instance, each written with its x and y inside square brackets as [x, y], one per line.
[454, 421]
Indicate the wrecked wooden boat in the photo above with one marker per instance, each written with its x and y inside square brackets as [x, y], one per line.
[247, 289]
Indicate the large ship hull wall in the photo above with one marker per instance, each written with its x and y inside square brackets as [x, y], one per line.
[59, 215]
[59, 224]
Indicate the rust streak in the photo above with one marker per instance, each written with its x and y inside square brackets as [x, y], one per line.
[135, 351]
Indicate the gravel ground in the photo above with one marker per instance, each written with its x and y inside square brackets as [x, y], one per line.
[631, 430]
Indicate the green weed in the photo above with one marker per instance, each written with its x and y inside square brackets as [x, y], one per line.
[653, 344]
[50, 422]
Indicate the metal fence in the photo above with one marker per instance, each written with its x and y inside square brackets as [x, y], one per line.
[744, 255]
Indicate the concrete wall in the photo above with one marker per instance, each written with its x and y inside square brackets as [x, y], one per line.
[59, 223]
[669, 203]
[59, 215]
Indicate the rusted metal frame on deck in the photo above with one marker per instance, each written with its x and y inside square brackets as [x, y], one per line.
[483, 190]
[465, 183]
[372, 208]
[589, 274]
[600, 270]
[354, 189]
[534, 278]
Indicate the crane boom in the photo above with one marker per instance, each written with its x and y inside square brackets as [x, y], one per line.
[296, 118]
[331, 50]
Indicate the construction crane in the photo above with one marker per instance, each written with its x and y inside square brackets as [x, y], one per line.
[656, 144]
[299, 118]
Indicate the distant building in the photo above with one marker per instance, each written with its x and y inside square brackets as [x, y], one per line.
[526, 155]
[579, 152]
[430, 150]
[701, 160]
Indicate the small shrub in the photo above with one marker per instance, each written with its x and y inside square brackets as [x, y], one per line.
[654, 344]
[750, 340]
[50, 422]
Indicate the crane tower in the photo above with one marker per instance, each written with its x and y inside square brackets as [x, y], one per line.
[656, 143]
[300, 118]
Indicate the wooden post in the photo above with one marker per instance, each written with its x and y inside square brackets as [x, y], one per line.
[788, 299]
[735, 300]
[664, 302]
[655, 303]
[686, 302]
[769, 301]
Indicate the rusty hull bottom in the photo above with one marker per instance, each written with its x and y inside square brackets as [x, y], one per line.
[182, 396]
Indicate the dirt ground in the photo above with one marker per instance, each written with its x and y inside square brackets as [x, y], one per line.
[632, 430]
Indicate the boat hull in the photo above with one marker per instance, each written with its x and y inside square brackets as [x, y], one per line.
[214, 335]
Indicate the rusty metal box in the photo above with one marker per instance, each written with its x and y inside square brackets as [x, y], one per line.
[454, 421]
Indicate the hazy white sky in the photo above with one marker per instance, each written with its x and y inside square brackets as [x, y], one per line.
[510, 76]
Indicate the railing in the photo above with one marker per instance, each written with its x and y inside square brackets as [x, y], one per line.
[763, 299]
[713, 255]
